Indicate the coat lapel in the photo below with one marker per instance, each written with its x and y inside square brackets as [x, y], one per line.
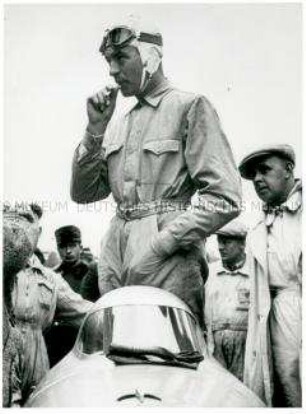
[258, 244]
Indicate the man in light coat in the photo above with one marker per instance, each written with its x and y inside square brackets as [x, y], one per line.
[153, 159]
[273, 349]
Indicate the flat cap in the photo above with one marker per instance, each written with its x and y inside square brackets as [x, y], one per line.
[235, 228]
[246, 166]
[67, 234]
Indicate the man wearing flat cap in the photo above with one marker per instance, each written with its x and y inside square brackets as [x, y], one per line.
[165, 147]
[273, 350]
[227, 299]
[61, 337]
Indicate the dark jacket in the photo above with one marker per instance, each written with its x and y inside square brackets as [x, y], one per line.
[89, 287]
[73, 274]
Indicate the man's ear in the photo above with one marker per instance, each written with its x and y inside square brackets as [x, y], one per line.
[289, 167]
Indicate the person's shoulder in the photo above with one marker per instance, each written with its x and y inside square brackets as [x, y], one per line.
[36, 266]
[189, 102]
[185, 96]
[49, 275]
[189, 96]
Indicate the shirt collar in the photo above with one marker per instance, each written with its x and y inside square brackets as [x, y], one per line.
[242, 271]
[154, 97]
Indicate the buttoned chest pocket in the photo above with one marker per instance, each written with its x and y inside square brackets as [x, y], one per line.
[45, 294]
[162, 162]
[243, 297]
[161, 147]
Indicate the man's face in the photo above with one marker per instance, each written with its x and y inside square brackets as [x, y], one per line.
[125, 66]
[70, 253]
[230, 248]
[271, 180]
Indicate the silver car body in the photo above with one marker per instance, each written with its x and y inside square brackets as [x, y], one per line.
[139, 318]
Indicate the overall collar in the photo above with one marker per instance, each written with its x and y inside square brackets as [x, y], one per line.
[154, 97]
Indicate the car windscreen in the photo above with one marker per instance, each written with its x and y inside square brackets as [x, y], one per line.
[140, 327]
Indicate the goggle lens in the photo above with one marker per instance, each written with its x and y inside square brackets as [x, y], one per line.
[120, 35]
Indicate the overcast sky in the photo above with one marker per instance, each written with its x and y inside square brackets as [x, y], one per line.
[246, 59]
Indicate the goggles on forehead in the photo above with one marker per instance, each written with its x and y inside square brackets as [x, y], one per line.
[121, 36]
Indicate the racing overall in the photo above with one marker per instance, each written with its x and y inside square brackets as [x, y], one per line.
[153, 159]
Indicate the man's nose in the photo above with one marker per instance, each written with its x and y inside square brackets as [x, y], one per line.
[113, 68]
[257, 177]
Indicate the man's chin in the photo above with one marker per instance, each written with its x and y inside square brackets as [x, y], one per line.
[127, 93]
[264, 195]
[69, 261]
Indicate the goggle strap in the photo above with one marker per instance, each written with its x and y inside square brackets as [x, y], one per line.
[150, 38]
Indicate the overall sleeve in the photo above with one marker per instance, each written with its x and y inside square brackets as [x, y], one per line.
[212, 168]
[89, 180]
[70, 306]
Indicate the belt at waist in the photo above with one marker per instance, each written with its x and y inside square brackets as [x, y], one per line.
[141, 210]
[221, 326]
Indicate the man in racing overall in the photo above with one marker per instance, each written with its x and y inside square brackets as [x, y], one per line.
[165, 147]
